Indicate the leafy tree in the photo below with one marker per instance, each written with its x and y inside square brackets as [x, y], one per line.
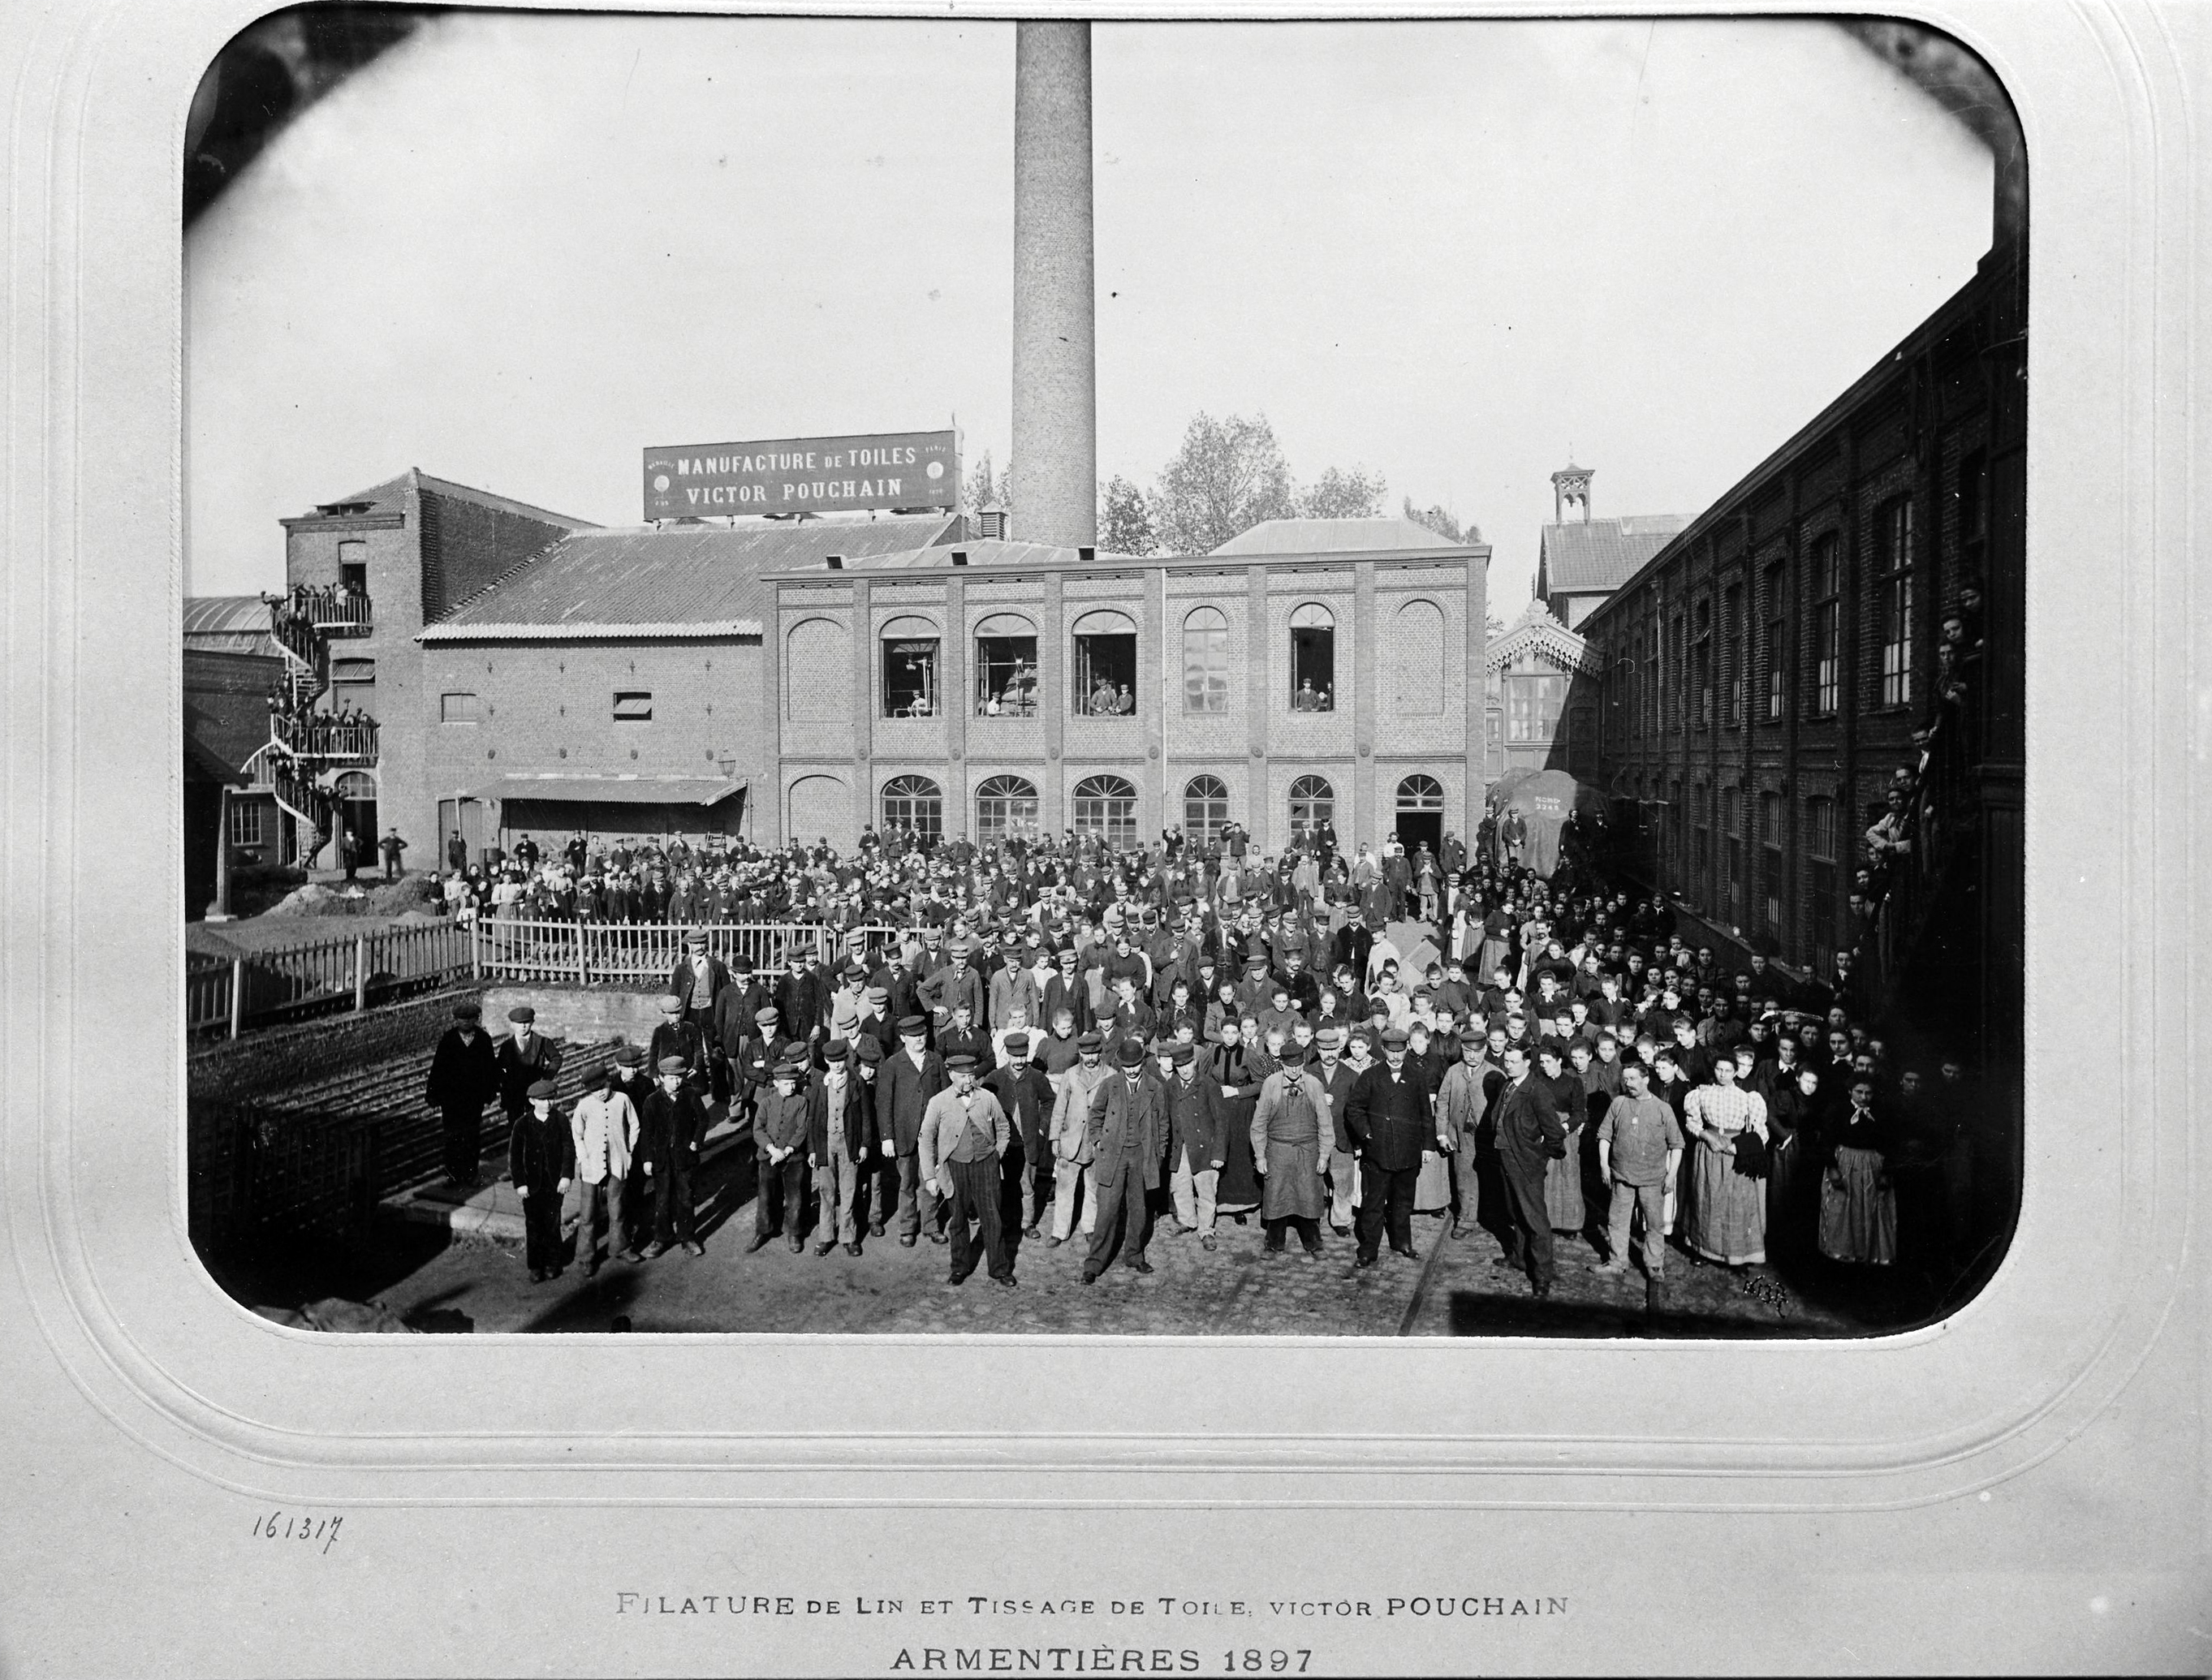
[1125, 519]
[1337, 494]
[1439, 520]
[983, 487]
[1228, 476]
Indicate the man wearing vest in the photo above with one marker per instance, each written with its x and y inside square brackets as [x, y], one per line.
[963, 1135]
[837, 1142]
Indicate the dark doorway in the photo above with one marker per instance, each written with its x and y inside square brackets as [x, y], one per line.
[1415, 828]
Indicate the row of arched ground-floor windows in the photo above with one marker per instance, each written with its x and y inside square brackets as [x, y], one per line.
[1106, 806]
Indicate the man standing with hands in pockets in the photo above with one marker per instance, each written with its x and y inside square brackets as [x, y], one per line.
[965, 1132]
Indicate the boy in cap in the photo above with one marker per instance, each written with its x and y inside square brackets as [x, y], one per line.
[670, 1127]
[677, 1035]
[779, 1139]
[964, 1135]
[464, 1077]
[526, 1056]
[541, 1159]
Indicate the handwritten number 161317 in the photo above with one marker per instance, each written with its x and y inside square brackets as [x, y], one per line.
[298, 1528]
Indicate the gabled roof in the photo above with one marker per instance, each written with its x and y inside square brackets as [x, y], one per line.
[391, 497]
[673, 580]
[1537, 632]
[1589, 556]
[1320, 537]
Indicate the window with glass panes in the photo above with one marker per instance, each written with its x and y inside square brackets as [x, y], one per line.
[1732, 854]
[1204, 808]
[1106, 806]
[1205, 660]
[1006, 806]
[1820, 881]
[246, 822]
[1313, 801]
[1732, 627]
[1701, 666]
[1701, 843]
[1770, 862]
[915, 802]
[1894, 552]
[1824, 627]
[1775, 648]
[1534, 695]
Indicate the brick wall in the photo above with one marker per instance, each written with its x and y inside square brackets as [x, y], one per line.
[283, 1058]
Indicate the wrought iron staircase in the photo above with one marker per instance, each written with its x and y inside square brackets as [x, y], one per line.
[308, 749]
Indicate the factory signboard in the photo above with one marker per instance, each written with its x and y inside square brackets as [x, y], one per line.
[918, 469]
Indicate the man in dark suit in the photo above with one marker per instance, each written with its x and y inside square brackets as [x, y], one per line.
[1026, 1094]
[1066, 990]
[1128, 1136]
[669, 1130]
[1391, 1119]
[677, 1036]
[696, 979]
[1530, 1136]
[464, 1077]
[541, 1159]
[802, 1000]
[909, 1077]
[526, 1056]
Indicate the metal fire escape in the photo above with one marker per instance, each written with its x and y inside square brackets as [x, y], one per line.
[308, 750]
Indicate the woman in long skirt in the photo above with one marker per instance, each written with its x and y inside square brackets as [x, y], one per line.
[1239, 1069]
[1793, 1174]
[1563, 1175]
[1727, 1212]
[1858, 1208]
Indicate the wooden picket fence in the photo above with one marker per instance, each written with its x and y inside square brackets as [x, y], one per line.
[617, 954]
[321, 976]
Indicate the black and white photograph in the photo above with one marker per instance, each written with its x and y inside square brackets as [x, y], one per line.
[1422, 736]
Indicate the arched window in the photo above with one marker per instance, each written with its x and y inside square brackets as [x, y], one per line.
[1313, 658]
[1107, 806]
[909, 677]
[1205, 661]
[1006, 806]
[916, 802]
[1420, 793]
[1313, 801]
[1105, 668]
[1204, 808]
[1006, 667]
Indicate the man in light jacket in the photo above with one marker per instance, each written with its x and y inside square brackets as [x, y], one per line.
[603, 1125]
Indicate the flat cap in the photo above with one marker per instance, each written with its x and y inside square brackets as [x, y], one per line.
[1091, 1040]
[962, 1059]
[878, 994]
[1185, 1054]
[468, 1011]
[668, 1000]
[836, 1050]
[1018, 1043]
[791, 1067]
[1394, 1038]
[672, 1065]
[913, 1026]
[629, 1056]
[522, 1012]
[541, 1089]
[871, 1049]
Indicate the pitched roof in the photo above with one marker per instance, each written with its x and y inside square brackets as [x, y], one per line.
[981, 552]
[1536, 631]
[1587, 555]
[391, 496]
[1321, 536]
[668, 581]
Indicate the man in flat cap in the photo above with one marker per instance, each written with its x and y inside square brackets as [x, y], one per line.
[604, 1127]
[669, 1128]
[1128, 1133]
[956, 983]
[526, 1056]
[780, 1128]
[964, 1134]
[839, 1100]
[541, 1159]
[464, 1077]
[909, 1078]
[698, 980]
[678, 1035]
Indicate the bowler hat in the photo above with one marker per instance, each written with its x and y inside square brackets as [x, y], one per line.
[1131, 1055]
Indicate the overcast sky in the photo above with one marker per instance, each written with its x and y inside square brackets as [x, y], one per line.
[518, 249]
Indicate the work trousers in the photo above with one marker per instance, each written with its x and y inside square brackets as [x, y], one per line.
[779, 1202]
[1386, 1201]
[837, 1181]
[672, 1195]
[1126, 1213]
[1467, 1191]
[974, 1200]
[1309, 1232]
[1193, 1190]
[1066, 1176]
[1532, 1220]
[591, 1199]
[541, 1227]
[462, 1124]
[917, 1202]
[1627, 1198]
[1343, 1187]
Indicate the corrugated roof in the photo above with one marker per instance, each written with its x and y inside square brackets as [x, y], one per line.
[673, 580]
[1321, 536]
[391, 496]
[229, 624]
[614, 790]
[1587, 555]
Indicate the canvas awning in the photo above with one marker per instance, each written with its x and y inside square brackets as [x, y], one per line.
[702, 790]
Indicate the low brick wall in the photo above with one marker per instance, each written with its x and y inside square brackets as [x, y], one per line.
[575, 1012]
[281, 1059]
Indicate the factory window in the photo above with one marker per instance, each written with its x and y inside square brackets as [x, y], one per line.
[633, 707]
[1894, 534]
[1313, 659]
[916, 803]
[1532, 707]
[1773, 650]
[1204, 808]
[246, 822]
[1770, 849]
[457, 708]
[1824, 653]
[1734, 653]
[1105, 673]
[1205, 661]
[357, 673]
[1106, 806]
[1973, 497]
[1732, 854]
[1493, 744]
[1701, 666]
[1313, 801]
[1006, 806]
[1006, 667]
[909, 677]
[1820, 881]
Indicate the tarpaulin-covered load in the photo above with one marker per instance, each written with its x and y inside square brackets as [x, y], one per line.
[1545, 798]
